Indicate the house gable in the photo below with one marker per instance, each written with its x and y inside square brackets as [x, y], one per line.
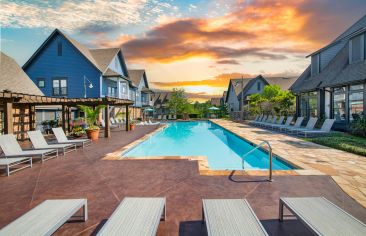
[71, 66]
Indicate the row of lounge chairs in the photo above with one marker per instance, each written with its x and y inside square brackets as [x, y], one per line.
[14, 155]
[275, 123]
[141, 216]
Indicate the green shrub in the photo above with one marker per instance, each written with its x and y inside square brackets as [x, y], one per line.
[358, 126]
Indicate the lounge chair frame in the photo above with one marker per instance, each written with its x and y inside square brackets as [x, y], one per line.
[14, 162]
[45, 155]
[62, 138]
[66, 148]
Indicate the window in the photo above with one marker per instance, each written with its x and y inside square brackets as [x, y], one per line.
[112, 91]
[40, 82]
[356, 101]
[259, 86]
[309, 104]
[59, 49]
[315, 64]
[356, 52]
[123, 87]
[339, 104]
[59, 87]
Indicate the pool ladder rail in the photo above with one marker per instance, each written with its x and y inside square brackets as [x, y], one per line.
[269, 155]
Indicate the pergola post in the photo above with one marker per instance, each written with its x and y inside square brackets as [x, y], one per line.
[127, 119]
[21, 122]
[31, 117]
[68, 114]
[8, 118]
[63, 120]
[107, 131]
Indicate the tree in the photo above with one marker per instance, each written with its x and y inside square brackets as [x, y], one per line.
[273, 99]
[178, 104]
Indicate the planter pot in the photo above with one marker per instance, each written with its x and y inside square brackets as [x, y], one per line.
[93, 134]
[132, 126]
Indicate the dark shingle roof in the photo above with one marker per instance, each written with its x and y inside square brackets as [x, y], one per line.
[14, 79]
[104, 56]
[337, 72]
[111, 73]
[136, 76]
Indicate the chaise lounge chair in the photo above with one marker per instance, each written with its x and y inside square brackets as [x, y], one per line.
[325, 129]
[11, 148]
[322, 217]
[9, 163]
[257, 118]
[309, 126]
[297, 124]
[46, 218]
[39, 142]
[102, 122]
[279, 126]
[269, 122]
[152, 123]
[278, 122]
[135, 216]
[62, 139]
[230, 217]
[264, 119]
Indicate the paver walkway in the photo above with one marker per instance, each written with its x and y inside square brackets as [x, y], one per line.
[348, 170]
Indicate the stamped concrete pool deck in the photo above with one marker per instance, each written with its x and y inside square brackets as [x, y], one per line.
[88, 174]
[348, 170]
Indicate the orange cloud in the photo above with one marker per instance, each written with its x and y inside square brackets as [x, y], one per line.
[262, 29]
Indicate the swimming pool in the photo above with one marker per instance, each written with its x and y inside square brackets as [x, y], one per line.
[222, 148]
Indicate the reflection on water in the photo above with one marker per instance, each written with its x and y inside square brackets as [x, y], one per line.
[223, 149]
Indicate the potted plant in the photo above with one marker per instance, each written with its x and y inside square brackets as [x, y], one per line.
[132, 125]
[91, 114]
[78, 131]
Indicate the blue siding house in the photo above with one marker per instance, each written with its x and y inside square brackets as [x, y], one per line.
[62, 67]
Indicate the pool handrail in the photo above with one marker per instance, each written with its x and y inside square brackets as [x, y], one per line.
[269, 155]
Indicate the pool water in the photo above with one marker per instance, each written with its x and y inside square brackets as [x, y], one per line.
[223, 148]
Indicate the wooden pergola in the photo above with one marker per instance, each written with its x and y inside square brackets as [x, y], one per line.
[10, 101]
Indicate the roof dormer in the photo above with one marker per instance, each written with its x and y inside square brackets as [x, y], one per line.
[357, 48]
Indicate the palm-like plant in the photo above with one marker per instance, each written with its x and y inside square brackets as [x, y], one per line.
[91, 115]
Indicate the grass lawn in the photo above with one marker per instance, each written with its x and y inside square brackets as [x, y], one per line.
[342, 141]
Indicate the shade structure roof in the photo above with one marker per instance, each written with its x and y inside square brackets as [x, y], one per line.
[29, 99]
[213, 108]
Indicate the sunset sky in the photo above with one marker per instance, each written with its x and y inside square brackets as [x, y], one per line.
[197, 45]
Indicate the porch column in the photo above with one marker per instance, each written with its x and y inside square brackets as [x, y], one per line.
[297, 113]
[321, 103]
[63, 120]
[8, 118]
[107, 131]
[127, 119]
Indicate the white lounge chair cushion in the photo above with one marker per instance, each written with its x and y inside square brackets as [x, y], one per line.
[324, 217]
[231, 217]
[45, 218]
[135, 216]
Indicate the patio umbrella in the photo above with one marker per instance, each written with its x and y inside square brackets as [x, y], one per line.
[213, 109]
[149, 109]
